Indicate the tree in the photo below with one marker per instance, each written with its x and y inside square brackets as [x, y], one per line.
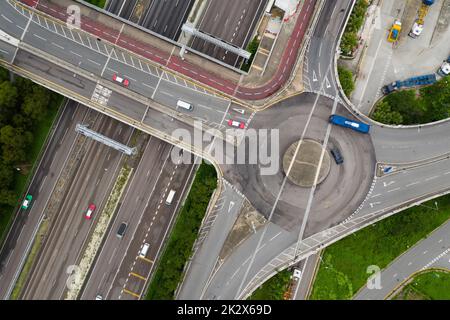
[35, 104]
[406, 103]
[4, 75]
[6, 175]
[384, 114]
[8, 197]
[8, 100]
[14, 144]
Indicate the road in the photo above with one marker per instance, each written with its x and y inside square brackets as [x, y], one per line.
[162, 17]
[235, 27]
[42, 184]
[93, 168]
[118, 273]
[112, 33]
[432, 252]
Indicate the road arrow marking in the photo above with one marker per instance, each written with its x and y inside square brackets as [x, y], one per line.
[388, 184]
[327, 83]
[374, 204]
[314, 76]
[231, 206]
[241, 111]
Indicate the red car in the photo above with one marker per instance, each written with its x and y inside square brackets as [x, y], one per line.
[236, 124]
[124, 82]
[90, 211]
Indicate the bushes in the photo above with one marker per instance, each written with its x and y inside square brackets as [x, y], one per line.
[274, 288]
[409, 107]
[252, 48]
[343, 270]
[24, 107]
[346, 80]
[350, 37]
[182, 238]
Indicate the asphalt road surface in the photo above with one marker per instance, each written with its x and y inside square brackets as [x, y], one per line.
[231, 21]
[161, 16]
[432, 252]
[94, 172]
[42, 184]
[118, 272]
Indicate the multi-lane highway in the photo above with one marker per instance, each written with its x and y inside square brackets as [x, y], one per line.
[300, 220]
[119, 272]
[235, 27]
[162, 17]
[87, 178]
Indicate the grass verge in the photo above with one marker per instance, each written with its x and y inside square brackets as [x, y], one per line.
[430, 285]
[274, 288]
[179, 246]
[344, 264]
[30, 259]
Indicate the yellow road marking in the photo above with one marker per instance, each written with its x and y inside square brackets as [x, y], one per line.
[145, 259]
[138, 276]
[131, 293]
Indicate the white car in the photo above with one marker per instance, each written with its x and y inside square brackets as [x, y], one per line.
[297, 274]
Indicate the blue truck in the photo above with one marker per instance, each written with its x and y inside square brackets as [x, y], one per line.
[347, 123]
[408, 83]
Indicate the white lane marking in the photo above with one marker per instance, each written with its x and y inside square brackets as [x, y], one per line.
[396, 189]
[94, 62]
[412, 184]
[76, 54]
[39, 37]
[58, 46]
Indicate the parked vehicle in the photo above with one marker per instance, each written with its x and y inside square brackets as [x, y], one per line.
[170, 197]
[184, 105]
[411, 82]
[236, 124]
[122, 81]
[394, 34]
[144, 250]
[444, 70]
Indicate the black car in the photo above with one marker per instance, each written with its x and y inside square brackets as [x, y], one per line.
[337, 156]
[121, 230]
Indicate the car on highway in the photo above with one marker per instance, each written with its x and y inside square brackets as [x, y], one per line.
[236, 124]
[123, 81]
[27, 201]
[121, 230]
[90, 211]
[297, 274]
[337, 156]
[144, 250]
[99, 297]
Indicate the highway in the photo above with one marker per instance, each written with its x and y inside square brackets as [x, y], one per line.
[431, 252]
[162, 17]
[87, 178]
[118, 273]
[164, 55]
[235, 27]
[300, 221]
[42, 184]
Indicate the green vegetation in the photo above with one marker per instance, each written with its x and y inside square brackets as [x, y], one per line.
[431, 285]
[252, 48]
[343, 270]
[27, 112]
[350, 37]
[408, 107]
[346, 80]
[98, 3]
[182, 238]
[15, 294]
[274, 288]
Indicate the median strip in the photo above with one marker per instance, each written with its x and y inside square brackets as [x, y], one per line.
[99, 232]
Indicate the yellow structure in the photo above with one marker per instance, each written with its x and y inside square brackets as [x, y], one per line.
[394, 34]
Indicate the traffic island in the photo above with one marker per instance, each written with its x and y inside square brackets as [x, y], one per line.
[303, 170]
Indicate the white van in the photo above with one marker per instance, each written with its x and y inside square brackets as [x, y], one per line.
[144, 250]
[184, 105]
[170, 197]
